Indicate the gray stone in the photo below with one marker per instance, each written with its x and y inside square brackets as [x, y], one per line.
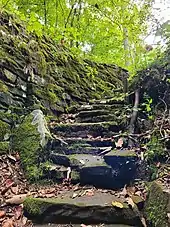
[82, 209]
[6, 99]
[10, 76]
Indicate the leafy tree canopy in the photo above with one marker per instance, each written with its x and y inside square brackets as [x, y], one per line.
[110, 31]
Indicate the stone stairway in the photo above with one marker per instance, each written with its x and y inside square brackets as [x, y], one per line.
[85, 152]
[87, 145]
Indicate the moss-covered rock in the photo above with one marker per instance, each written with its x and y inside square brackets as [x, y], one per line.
[157, 205]
[81, 209]
[4, 130]
[4, 147]
[26, 139]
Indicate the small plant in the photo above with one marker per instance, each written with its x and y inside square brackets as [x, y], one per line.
[155, 149]
[148, 107]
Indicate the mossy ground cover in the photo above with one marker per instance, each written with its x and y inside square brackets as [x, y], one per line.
[157, 205]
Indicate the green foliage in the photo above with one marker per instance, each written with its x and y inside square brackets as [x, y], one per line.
[148, 107]
[118, 38]
[155, 149]
[3, 87]
[26, 140]
[4, 130]
[156, 205]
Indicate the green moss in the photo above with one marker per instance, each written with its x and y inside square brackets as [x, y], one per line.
[3, 87]
[52, 97]
[4, 147]
[75, 176]
[34, 206]
[156, 205]
[26, 140]
[4, 130]
[123, 153]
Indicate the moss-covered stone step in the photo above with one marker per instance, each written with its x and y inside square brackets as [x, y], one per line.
[111, 171]
[157, 206]
[92, 113]
[85, 209]
[99, 106]
[110, 101]
[84, 142]
[80, 148]
[84, 129]
[100, 118]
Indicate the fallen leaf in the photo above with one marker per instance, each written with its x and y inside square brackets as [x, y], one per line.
[8, 223]
[130, 202]
[117, 204]
[2, 213]
[50, 195]
[18, 212]
[143, 222]
[17, 199]
[83, 225]
[11, 157]
[119, 143]
[131, 190]
[89, 193]
[74, 195]
[15, 189]
[124, 191]
[24, 221]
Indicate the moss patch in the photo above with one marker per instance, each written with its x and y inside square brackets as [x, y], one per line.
[4, 130]
[4, 147]
[26, 140]
[156, 205]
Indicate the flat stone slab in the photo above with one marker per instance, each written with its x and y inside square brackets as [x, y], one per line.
[84, 129]
[85, 209]
[113, 170]
[99, 107]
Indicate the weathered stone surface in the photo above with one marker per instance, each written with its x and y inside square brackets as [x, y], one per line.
[61, 79]
[157, 206]
[84, 129]
[26, 138]
[10, 76]
[114, 170]
[60, 159]
[82, 209]
[6, 99]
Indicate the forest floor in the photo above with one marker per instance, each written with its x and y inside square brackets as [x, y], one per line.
[14, 188]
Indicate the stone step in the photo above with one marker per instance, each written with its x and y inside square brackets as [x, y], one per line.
[100, 106]
[100, 118]
[76, 142]
[80, 148]
[85, 129]
[111, 101]
[113, 170]
[95, 209]
[92, 113]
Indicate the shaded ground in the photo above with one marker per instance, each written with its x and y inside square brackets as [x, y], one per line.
[54, 225]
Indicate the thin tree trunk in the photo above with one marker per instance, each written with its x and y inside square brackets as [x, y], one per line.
[134, 116]
[126, 46]
[56, 13]
[45, 12]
